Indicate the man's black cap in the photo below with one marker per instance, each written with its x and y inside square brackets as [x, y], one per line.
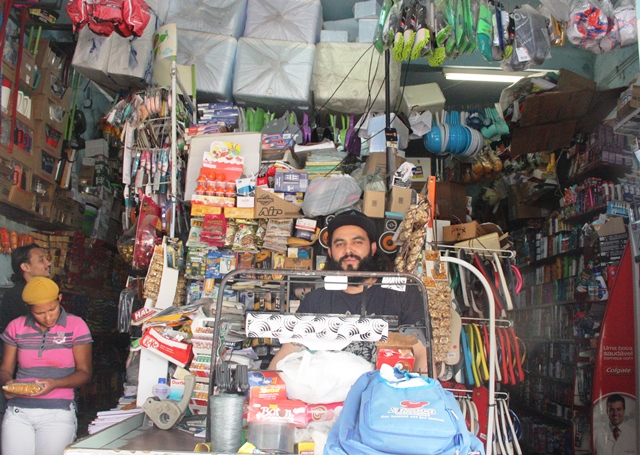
[353, 218]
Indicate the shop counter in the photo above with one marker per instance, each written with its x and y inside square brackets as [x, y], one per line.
[135, 435]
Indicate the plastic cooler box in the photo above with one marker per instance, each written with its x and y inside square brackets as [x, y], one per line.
[222, 17]
[214, 58]
[421, 98]
[287, 20]
[130, 58]
[333, 63]
[273, 73]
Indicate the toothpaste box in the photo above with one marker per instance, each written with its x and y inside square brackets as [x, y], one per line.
[266, 385]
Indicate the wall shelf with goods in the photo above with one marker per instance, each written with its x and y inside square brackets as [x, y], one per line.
[557, 314]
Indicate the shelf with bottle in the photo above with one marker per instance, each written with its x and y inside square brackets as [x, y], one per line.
[548, 285]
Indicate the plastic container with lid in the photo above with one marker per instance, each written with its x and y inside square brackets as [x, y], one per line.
[161, 390]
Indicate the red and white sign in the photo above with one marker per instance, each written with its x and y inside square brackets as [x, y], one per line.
[174, 351]
[614, 374]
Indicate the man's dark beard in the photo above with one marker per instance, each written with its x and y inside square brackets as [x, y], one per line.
[366, 264]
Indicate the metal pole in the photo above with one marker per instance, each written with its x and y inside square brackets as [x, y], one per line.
[174, 147]
[391, 158]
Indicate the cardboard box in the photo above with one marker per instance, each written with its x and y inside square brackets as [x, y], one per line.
[28, 69]
[173, 351]
[374, 203]
[423, 97]
[48, 138]
[270, 205]
[400, 356]
[377, 164]
[519, 209]
[50, 57]
[293, 181]
[422, 169]
[266, 385]
[289, 411]
[49, 110]
[399, 199]
[464, 231]
[451, 201]
[550, 120]
[44, 164]
[298, 263]
[238, 212]
[245, 202]
[51, 85]
[22, 198]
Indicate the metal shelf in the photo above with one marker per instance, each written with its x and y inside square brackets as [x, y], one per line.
[629, 125]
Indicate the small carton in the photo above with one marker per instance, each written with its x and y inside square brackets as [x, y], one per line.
[238, 212]
[270, 205]
[323, 411]
[266, 385]
[287, 411]
[171, 350]
[304, 448]
[464, 231]
[373, 203]
[399, 199]
[397, 351]
[293, 181]
[298, 263]
[245, 202]
[401, 357]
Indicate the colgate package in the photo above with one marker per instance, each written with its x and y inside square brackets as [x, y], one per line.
[289, 411]
[266, 385]
[400, 357]
[320, 412]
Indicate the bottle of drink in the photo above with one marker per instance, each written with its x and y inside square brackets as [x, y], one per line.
[602, 292]
[161, 389]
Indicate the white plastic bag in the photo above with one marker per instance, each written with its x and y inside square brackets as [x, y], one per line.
[321, 376]
[327, 195]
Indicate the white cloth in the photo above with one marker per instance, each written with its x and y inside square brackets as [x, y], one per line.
[38, 431]
[606, 444]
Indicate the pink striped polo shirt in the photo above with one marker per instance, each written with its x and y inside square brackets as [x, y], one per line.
[47, 354]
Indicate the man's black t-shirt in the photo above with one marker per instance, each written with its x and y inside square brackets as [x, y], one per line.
[12, 305]
[407, 305]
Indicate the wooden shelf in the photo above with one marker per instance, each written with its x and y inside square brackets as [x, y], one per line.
[549, 378]
[30, 218]
[584, 216]
[548, 340]
[550, 305]
[551, 259]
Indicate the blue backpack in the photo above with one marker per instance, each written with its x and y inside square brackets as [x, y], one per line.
[382, 417]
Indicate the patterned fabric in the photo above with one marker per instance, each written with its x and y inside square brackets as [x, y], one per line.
[316, 332]
[47, 354]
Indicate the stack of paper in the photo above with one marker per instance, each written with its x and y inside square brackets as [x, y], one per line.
[322, 163]
[105, 419]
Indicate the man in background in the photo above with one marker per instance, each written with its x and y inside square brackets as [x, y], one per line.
[618, 436]
[27, 262]
[353, 247]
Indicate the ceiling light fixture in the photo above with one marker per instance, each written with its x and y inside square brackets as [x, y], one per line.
[484, 75]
